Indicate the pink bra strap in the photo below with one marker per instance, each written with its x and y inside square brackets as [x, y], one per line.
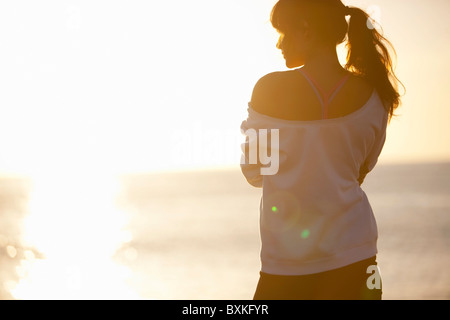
[324, 98]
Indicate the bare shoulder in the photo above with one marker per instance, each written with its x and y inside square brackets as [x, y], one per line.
[287, 95]
[270, 89]
[358, 90]
[359, 83]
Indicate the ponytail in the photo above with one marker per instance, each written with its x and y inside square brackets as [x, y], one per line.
[368, 56]
[368, 51]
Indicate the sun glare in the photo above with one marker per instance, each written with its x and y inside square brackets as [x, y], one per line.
[121, 90]
[74, 223]
[95, 89]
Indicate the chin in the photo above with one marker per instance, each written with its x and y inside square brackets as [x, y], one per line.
[291, 64]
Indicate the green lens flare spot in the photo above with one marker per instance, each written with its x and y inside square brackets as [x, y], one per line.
[274, 209]
[305, 234]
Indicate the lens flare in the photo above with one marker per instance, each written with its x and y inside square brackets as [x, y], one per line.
[305, 234]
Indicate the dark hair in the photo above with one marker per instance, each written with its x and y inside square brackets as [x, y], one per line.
[368, 51]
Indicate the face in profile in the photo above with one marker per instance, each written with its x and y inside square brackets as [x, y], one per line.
[293, 48]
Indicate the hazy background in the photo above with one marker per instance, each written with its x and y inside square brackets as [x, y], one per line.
[95, 90]
[113, 83]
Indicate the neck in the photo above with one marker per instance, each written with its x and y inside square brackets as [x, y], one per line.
[323, 61]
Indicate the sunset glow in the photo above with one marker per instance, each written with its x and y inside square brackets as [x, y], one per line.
[104, 81]
[91, 90]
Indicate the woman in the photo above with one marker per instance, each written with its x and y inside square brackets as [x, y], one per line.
[318, 232]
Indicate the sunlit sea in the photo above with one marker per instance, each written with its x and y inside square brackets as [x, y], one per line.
[194, 235]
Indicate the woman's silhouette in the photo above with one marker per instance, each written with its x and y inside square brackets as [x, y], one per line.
[318, 232]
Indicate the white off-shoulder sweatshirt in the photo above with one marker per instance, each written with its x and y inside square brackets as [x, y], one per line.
[314, 216]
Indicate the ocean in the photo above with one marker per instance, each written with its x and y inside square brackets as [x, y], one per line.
[195, 235]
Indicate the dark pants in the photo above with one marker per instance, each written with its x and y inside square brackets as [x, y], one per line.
[357, 281]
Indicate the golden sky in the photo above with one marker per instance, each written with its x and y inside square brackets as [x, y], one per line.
[145, 85]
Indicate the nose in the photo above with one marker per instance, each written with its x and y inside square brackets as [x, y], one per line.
[279, 43]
